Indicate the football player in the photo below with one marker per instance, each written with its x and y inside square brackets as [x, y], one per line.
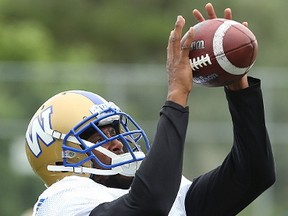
[96, 160]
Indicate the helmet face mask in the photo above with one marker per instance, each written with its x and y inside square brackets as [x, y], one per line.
[60, 147]
[130, 139]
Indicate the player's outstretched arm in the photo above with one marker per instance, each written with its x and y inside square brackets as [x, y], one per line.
[157, 181]
[248, 170]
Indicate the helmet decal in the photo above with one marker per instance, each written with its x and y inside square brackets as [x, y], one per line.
[38, 131]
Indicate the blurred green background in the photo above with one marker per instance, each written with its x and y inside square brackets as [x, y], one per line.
[118, 50]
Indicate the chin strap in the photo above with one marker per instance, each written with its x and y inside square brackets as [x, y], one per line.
[128, 169]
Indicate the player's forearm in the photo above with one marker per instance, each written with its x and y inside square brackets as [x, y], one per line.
[250, 135]
[157, 181]
[249, 168]
[162, 169]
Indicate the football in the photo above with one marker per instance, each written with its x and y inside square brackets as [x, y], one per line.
[222, 52]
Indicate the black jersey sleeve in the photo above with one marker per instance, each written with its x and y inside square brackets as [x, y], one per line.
[157, 181]
[247, 171]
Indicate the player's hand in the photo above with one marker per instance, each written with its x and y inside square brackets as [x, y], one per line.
[243, 82]
[211, 13]
[178, 64]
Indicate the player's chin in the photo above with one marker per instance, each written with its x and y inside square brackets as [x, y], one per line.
[114, 181]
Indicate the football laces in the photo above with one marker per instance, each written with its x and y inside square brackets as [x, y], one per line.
[200, 61]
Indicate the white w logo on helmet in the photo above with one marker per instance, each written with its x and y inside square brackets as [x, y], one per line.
[37, 131]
